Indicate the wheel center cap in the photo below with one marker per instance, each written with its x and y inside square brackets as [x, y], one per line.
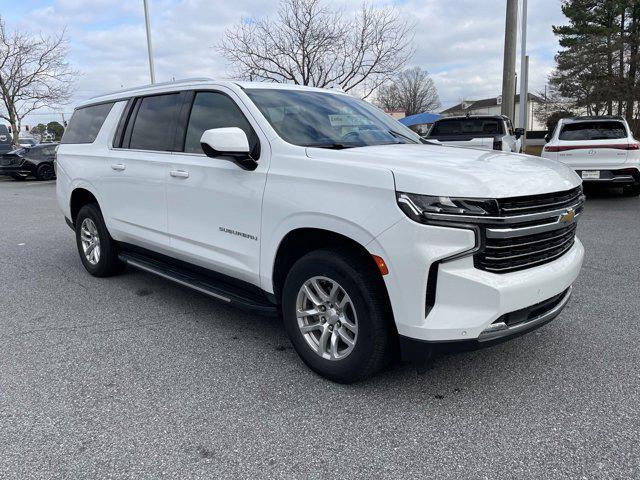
[332, 316]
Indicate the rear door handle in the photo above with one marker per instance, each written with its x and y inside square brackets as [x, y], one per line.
[179, 174]
[118, 166]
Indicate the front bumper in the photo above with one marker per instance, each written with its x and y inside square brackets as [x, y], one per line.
[14, 170]
[467, 300]
[414, 350]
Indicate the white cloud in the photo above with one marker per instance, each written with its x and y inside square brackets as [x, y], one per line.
[459, 41]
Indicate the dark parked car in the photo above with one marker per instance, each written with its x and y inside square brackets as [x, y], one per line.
[6, 140]
[35, 161]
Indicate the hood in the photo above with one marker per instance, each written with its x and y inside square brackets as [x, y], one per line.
[461, 172]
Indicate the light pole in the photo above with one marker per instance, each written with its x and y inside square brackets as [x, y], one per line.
[152, 72]
[524, 74]
[509, 66]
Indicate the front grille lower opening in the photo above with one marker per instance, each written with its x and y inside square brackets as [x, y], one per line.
[531, 313]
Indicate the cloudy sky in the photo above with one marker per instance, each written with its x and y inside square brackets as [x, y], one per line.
[460, 42]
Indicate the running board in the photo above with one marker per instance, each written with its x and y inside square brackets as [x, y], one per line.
[218, 289]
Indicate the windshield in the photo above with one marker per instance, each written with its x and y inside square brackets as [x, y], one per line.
[608, 130]
[328, 120]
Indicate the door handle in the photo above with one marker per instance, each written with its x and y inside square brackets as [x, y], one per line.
[118, 166]
[179, 174]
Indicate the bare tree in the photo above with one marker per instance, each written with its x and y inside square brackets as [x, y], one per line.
[412, 90]
[309, 44]
[34, 74]
[552, 105]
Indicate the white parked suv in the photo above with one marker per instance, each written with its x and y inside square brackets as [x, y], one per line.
[601, 150]
[315, 205]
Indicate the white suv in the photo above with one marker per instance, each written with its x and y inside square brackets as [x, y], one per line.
[314, 205]
[602, 150]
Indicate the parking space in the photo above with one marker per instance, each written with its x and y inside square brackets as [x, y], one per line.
[135, 377]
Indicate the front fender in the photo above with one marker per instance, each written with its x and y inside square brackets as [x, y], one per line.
[298, 221]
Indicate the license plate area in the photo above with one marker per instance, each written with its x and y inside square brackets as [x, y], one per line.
[591, 174]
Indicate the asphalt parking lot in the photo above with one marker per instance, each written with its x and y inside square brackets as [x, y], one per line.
[136, 377]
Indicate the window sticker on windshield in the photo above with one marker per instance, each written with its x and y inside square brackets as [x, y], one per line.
[346, 120]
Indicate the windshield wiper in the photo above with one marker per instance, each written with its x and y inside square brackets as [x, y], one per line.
[401, 135]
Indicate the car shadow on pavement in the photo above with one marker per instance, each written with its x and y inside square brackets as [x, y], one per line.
[262, 341]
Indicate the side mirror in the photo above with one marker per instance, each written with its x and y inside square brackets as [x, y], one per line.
[519, 132]
[228, 144]
[547, 138]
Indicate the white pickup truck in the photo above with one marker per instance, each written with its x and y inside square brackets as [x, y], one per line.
[488, 132]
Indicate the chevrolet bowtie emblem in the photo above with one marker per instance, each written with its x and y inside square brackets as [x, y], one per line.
[568, 216]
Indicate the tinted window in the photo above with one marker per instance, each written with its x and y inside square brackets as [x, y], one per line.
[85, 124]
[155, 124]
[328, 120]
[468, 126]
[49, 151]
[216, 110]
[593, 131]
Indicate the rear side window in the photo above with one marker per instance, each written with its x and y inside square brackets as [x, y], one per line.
[468, 126]
[85, 123]
[216, 110]
[155, 123]
[593, 131]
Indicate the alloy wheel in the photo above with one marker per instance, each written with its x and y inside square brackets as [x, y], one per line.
[327, 318]
[90, 241]
[46, 172]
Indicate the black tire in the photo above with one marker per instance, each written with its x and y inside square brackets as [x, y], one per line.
[631, 191]
[374, 345]
[45, 172]
[108, 263]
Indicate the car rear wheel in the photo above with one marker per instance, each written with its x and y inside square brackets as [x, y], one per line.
[98, 251]
[336, 315]
[45, 171]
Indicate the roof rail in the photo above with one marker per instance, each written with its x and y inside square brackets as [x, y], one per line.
[163, 84]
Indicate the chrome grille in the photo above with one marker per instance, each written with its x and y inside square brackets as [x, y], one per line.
[530, 234]
[539, 203]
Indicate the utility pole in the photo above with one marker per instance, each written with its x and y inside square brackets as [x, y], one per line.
[149, 49]
[509, 66]
[524, 75]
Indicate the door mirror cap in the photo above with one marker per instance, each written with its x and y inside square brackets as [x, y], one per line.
[519, 132]
[229, 143]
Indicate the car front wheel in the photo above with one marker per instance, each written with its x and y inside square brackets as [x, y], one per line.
[45, 171]
[337, 316]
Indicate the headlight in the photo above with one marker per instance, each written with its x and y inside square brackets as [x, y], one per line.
[438, 210]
